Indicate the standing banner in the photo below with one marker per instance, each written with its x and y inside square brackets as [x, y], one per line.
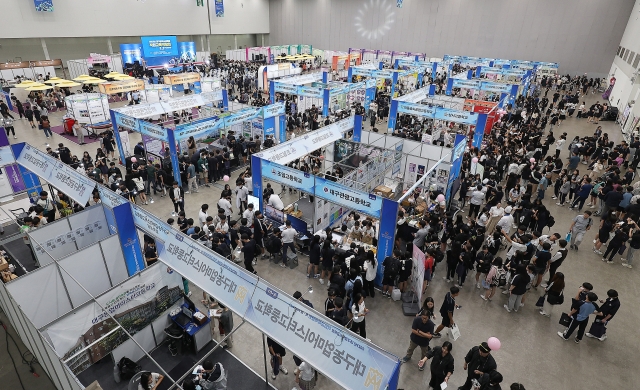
[324, 344]
[77, 186]
[387, 234]
[129, 240]
[219, 8]
[417, 273]
[456, 162]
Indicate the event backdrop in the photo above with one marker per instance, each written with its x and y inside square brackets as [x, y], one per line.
[581, 35]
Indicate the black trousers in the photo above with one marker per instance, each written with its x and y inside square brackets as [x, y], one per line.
[580, 325]
[473, 209]
[178, 205]
[359, 328]
[467, 384]
[369, 288]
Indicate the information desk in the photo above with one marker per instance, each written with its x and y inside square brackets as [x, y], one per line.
[200, 334]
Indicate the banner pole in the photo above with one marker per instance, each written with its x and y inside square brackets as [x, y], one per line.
[264, 353]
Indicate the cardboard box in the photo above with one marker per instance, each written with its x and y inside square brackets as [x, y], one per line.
[383, 190]
[3, 264]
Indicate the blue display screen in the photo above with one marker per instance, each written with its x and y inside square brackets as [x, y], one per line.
[160, 46]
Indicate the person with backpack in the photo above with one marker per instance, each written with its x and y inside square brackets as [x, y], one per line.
[391, 266]
[496, 276]
[46, 126]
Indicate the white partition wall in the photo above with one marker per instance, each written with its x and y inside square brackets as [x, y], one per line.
[89, 269]
[113, 257]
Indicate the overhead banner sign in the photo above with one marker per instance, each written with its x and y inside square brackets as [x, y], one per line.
[126, 121]
[291, 89]
[303, 79]
[273, 110]
[219, 7]
[302, 181]
[416, 109]
[121, 86]
[469, 84]
[60, 175]
[6, 156]
[346, 196]
[305, 144]
[141, 111]
[153, 130]
[213, 96]
[198, 129]
[241, 116]
[110, 198]
[310, 92]
[495, 87]
[466, 117]
[182, 103]
[323, 343]
[181, 78]
[415, 96]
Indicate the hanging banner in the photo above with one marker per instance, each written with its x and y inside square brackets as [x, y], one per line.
[309, 92]
[135, 303]
[495, 87]
[121, 86]
[60, 175]
[322, 343]
[291, 89]
[181, 78]
[219, 7]
[183, 103]
[358, 201]
[43, 5]
[445, 114]
[468, 84]
[141, 111]
[273, 110]
[126, 121]
[110, 198]
[416, 109]
[241, 116]
[302, 181]
[197, 130]
[153, 130]
[307, 143]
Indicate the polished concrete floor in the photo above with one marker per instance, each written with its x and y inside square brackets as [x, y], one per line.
[531, 352]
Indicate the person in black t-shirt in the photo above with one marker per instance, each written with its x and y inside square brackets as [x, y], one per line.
[150, 254]
[446, 310]
[421, 334]
[277, 352]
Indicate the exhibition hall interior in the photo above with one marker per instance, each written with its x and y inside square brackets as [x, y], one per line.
[319, 194]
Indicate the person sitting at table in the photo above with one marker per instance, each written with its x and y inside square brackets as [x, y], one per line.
[150, 381]
[355, 233]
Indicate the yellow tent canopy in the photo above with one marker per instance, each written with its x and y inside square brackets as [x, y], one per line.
[27, 84]
[39, 88]
[68, 84]
[56, 81]
[83, 77]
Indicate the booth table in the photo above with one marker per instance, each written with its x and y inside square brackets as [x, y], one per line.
[201, 334]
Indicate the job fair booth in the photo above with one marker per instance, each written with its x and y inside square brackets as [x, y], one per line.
[93, 301]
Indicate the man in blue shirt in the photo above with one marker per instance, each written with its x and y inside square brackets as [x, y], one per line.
[580, 317]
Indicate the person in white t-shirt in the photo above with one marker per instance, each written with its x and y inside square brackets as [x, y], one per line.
[241, 196]
[225, 204]
[305, 376]
[475, 201]
[288, 235]
[150, 381]
[202, 215]
[495, 213]
[276, 202]
[249, 213]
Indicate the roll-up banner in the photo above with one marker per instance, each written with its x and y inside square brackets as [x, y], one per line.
[359, 201]
[387, 234]
[77, 186]
[294, 178]
[129, 239]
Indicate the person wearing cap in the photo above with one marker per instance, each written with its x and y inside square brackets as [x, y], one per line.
[506, 221]
[477, 363]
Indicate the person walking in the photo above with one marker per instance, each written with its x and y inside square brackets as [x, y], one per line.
[608, 310]
[580, 317]
[46, 126]
[517, 289]
[446, 310]
[370, 268]
[442, 365]
[580, 225]
[554, 294]
[192, 179]
[421, 334]
[249, 249]
[359, 312]
[288, 235]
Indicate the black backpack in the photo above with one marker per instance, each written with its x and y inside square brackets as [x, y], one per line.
[392, 268]
[128, 368]
[551, 221]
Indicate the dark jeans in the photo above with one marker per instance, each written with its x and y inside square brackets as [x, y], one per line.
[10, 129]
[611, 251]
[368, 288]
[451, 271]
[359, 328]
[563, 198]
[473, 209]
[151, 184]
[581, 325]
[248, 264]
[578, 200]
[179, 205]
[286, 245]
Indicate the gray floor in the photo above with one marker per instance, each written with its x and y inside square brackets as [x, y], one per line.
[531, 351]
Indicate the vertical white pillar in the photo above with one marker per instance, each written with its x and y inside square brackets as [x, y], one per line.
[44, 49]
[235, 42]
[109, 45]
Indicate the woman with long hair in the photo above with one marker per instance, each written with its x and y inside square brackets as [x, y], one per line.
[370, 267]
[554, 291]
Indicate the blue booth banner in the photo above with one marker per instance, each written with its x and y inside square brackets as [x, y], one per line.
[129, 240]
[358, 201]
[322, 343]
[272, 110]
[60, 175]
[469, 84]
[466, 117]
[131, 52]
[269, 127]
[153, 130]
[416, 109]
[302, 181]
[242, 116]
[219, 7]
[139, 111]
[151, 224]
[456, 162]
[126, 121]
[495, 87]
[291, 89]
[198, 129]
[309, 92]
[43, 5]
[110, 198]
[387, 234]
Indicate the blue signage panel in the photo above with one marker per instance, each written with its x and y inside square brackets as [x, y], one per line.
[456, 162]
[131, 52]
[128, 239]
[469, 84]
[219, 7]
[43, 5]
[302, 181]
[359, 201]
[160, 46]
[387, 234]
[466, 117]
[416, 109]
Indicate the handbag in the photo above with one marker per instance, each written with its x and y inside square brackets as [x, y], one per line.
[622, 249]
[455, 332]
[555, 299]
[540, 301]
[565, 320]
[568, 237]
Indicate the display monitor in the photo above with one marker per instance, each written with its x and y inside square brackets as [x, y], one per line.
[274, 214]
[254, 201]
[190, 305]
[160, 46]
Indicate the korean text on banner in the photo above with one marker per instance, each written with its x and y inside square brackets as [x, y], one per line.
[198, 129]
[140, 111]
[328, 347]
[345, 196]
[153, 130]
[302, 181]
[110, 198]
[123, 120]
[230, 284]
[466, 117]
[273, 110]
[416, 109]
[300, 146]
[77, 186]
